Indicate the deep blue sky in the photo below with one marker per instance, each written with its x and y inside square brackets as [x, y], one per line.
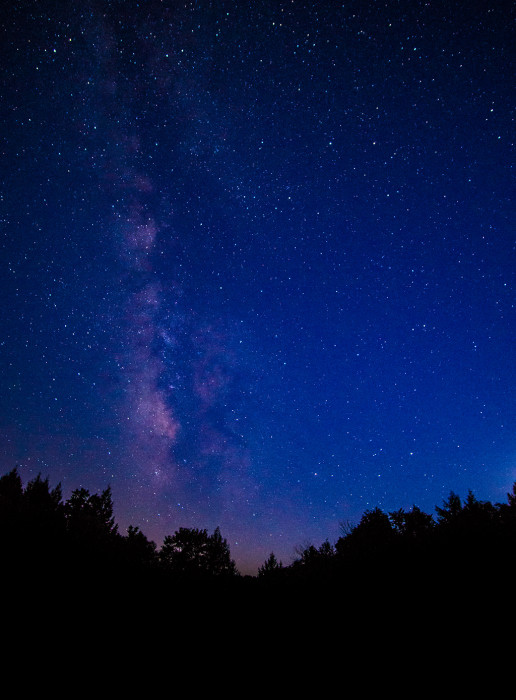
[258, 259]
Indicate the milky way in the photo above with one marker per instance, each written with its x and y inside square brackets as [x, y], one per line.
[178, 404]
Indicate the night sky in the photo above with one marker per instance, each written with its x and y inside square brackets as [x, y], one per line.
[258, 259]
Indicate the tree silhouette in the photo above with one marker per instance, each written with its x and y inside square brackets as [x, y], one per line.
[270, 567]
[414, 523]
[11, 492]
[138, 550]
[219, 557]
[11, 516]
[92, 535]
[91, 515]
[507, 512]
[191, 552]
[11, 497]
[372, 535]
[479, 516]
[32, 525]
[44, 520]
[450, 511]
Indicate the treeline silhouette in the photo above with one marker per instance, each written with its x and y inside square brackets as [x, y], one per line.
[466, 541]
[44, 536]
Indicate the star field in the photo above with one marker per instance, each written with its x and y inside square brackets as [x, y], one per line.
[258, 259]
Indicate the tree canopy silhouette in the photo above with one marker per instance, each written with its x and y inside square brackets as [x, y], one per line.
[191, 552]
[39, 531]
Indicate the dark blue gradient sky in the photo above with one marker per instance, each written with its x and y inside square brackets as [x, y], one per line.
[258, 259]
